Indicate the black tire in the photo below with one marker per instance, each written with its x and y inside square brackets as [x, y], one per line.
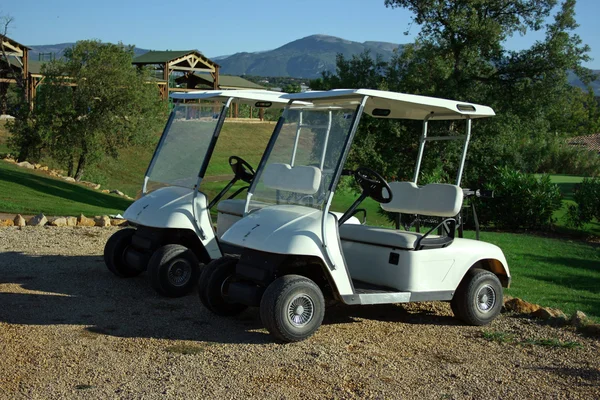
[214, 282]
[173, 270]
[285, 308]
[114, 254]
[204, 277]
[478, 298]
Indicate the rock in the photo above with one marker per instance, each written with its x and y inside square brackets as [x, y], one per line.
[547, 313]
[19, 220]
[82, 220]
[128, 198]
[53, 172]
[106, 191]
[37, 166]
[102, 221]
[68, 178]
[44, 168]
[117, 192]
[579, 319]
[59, 221]
[591, 329]
[96, 186]
[38, 220]
[25, 164]
[71, 221]
[118, 222]
[10, 160]
[520, 306]
[7, 222]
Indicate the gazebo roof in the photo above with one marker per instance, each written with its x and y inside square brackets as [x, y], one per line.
[161, 57]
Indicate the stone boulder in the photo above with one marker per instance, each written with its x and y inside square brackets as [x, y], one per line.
[6, 222]
[71, 221]
[550, 314]
[102, 221]
[38, 220]
[117, 192]
[44, 168]
[19, 220]
[579, 319]
[519, 306]
[59, 221]
[26, 164]
[118, 222]
[68, 179]
[106, 191]
[82, 220]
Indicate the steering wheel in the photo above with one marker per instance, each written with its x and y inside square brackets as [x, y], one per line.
[241, 169]
[373, 185]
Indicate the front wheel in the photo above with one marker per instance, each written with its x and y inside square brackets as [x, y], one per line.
[478, 299]
[114, 254]
[292, 308]
[173, 270]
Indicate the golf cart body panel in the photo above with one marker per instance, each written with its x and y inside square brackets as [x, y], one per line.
[175, 207]
[290, 229]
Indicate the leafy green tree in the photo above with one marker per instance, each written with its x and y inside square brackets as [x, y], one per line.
[292, 88]
[91, 104]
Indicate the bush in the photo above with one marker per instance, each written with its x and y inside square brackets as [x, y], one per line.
[587, 197]
[520, 201]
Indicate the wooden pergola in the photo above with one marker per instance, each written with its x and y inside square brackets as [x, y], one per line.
[177, 64]
[14, 66]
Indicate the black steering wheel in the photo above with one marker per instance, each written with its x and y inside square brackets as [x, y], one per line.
[241, 169]
[373, 185]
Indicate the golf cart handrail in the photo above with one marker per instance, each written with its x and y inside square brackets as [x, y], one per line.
[393, 105]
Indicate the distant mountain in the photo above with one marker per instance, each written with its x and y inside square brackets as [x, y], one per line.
[58, 49]
[302, 58]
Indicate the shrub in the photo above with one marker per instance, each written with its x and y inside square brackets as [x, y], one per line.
[587, 197]
[520, 201]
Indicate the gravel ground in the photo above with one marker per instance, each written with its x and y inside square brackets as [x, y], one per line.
[70, 329]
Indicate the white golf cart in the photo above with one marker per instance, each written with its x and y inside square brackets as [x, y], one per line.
[297, 253]
[173, 231]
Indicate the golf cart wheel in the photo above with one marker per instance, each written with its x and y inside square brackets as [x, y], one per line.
[114, 254]
[213, 287]
[173, 270]
[478, 299]
[292, 308]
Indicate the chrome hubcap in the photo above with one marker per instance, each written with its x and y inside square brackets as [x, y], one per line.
[300, 310]
[179, 273]
[486, 298]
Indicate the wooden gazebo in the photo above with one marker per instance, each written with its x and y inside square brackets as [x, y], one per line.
[14, 60]
[182, 63]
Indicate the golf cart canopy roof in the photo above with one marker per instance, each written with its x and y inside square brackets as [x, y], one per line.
[393, 105]
[255, 98]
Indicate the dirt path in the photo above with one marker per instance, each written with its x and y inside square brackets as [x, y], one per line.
[69, 328]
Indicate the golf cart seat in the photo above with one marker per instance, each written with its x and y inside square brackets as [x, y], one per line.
[436, 200]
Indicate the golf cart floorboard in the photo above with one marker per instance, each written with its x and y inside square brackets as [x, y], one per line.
[361, 287]
[366, 293]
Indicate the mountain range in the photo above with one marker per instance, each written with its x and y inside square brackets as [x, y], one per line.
[303, 58]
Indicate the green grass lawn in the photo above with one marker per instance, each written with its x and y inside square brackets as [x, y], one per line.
[30, 192]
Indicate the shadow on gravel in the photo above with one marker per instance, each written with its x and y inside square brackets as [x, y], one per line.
[79, 290]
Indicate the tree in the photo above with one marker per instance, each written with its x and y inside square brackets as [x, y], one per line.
[92, 103]
[8, 69]
[460, 54]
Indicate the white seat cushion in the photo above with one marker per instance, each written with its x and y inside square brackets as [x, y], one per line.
[298, 179]
[435, 199]
[232, 206]
[380, 236]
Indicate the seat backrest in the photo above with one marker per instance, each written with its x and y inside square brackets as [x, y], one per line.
[435, 199]
[298, 179]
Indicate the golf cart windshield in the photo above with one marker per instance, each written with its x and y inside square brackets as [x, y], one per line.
[183, 145]
[305, 154]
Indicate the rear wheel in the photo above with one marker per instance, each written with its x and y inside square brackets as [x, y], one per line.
[114, 254]
[214, 285]
[173, 270]
[478, 299]
[292, 308]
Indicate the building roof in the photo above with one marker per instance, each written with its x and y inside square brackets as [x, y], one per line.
[589, 142]
[231, 82]
[35, 67]
[161, 57]
[13, 42]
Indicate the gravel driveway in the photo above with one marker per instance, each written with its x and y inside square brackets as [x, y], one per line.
[69, 328]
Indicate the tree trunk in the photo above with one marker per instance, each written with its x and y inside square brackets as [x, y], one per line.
[70, 167]
[80, 166]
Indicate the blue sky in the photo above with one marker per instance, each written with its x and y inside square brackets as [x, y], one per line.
[236, 26]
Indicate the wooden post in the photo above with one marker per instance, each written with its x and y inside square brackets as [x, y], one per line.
[215, 76]
[166, 74]
[26, 73]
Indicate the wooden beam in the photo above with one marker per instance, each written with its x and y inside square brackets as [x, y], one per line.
[215, 76]
[15, 50]
[188, 58]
